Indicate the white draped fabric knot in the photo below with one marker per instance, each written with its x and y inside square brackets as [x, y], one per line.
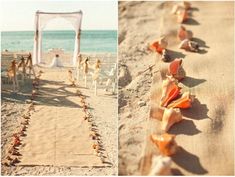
[42, 19]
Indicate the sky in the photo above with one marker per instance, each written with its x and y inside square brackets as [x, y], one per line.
[18, 15]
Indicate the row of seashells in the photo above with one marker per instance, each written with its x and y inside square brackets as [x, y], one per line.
[13, 153]
[94, 135]
[172, 98]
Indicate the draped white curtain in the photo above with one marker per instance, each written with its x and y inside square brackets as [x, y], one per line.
[42, 19]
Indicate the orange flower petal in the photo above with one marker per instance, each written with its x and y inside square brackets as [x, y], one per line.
[165, 143]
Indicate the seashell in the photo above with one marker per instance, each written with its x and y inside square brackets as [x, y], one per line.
[23, 128]
[95, 146]
[165, 56]
[93, 135]
[156, 112]
[175, 8]
[170, 90]
[165, 143]
[163, 42]
[170, 117]
[11, 149]
[194, 46]
[184, 44]
[182, 16]
[15, 152]
[15, 160]
[159, 45]
[8, 158]
[25, 116]
[6, 163]
[21, 132]
[25, 122]
[189, 45]
[186, 5]
[16, 142]
[184, 102]
[176, 69]
[184, 34]
[160, 166]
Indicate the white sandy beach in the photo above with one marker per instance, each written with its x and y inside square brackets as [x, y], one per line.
[103, 108]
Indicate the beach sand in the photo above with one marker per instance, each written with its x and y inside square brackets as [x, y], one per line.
[207, 133]
[104, 111]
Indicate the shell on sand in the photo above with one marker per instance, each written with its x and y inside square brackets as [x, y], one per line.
[163, 42]
[187, 5]
[175, 8]
[176, 69]
[156, 112]
[188, 45]
[184, 34]
[184, 44]
[182, 16]
[161, 165]
[170, 90]
[165, 143]
[170, 117]
[159, 45]
[184, 102]
[165, 56]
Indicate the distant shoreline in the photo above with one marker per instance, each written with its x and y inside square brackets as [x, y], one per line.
[113, 30]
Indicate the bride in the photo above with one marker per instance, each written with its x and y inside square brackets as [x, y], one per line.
[55, 62]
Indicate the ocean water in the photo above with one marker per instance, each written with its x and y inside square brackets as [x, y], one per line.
[100, 41]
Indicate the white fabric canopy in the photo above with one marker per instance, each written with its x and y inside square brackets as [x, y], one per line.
[41, 20]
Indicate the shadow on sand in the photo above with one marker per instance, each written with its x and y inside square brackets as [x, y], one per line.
[192, 82]
[186, 127]
[188, 161]
[198, 112]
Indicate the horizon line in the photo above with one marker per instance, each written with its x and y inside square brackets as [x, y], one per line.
[61, 30]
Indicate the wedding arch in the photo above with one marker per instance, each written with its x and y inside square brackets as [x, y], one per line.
[42, 19]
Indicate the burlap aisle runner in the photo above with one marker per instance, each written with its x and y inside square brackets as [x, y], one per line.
[206, 134]
[57, 133]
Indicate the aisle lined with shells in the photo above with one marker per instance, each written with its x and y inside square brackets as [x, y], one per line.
[33, 118]
[168, 100]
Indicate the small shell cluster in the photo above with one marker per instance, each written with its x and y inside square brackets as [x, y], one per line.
[184, 35]
[94, 135]
[182, 11]
[172, 100]
[13, 154]
[160, 46]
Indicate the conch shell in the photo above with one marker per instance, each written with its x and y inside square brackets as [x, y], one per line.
[159, 45]
[184, 34]
[165, 56]
[175, 9]
[165, 143]
[187, 5]
[156, 112]
[170, 117]
[160, 166]
[170, 90]
[182, 16]
[184, 102]
[176, 69]
[189, 45]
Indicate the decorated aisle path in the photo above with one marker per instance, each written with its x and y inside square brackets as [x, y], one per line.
[58, 134]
